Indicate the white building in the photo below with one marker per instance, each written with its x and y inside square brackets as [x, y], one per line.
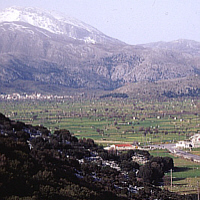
[193, 142]
[184, 144]
[195, 139]
[120, 147]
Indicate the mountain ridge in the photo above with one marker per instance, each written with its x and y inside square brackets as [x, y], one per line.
[181, 45]
[34, 54]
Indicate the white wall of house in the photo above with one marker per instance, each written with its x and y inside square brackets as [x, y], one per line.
[184, 144]
[195, 139]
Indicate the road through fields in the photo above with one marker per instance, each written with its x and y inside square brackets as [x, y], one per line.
[178, 152]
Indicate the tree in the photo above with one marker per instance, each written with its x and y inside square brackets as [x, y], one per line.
[153, 171]
[129, 165]
[146, 173]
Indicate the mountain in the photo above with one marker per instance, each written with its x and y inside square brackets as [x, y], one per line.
[185, 46]
[42, 51]
[55, 23]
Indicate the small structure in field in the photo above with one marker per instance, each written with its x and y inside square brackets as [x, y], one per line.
[121, 147]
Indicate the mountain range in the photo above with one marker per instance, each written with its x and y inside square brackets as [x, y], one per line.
[43, 51]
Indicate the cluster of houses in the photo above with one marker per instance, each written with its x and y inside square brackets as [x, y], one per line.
[193, 142]
[34, 96]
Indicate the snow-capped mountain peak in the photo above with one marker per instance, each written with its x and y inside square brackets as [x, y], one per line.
[55, 23]
[36, 17]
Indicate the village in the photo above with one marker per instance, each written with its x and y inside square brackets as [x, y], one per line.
[33, 96]
[179, 149]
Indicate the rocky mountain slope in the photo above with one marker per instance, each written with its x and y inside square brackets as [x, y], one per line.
[44, 49]
[185, 46]
[173, 88]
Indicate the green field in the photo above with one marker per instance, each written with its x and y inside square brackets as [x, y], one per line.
[125, 120]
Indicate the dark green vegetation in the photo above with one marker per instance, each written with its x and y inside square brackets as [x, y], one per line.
[153, 171]
[115, 95]
[194, 92]
[35, 164]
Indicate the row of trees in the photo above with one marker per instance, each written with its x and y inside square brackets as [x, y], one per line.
[190, 92]
[114, 95]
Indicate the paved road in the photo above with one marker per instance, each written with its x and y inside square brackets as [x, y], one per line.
[172, 148]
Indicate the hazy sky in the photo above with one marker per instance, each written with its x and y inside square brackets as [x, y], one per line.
[132, 21]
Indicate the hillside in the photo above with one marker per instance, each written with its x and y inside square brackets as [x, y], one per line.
[173, 88]
[184, 46]
[35, 164]
[41, 51]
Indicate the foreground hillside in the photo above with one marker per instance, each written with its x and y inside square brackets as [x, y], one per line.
[37, 165]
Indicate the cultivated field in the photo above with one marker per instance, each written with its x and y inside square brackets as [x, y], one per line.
[125, 120]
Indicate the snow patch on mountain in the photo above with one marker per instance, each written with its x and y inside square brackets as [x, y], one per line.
[56, 24]
[49, 21]
[33, 17]
[13, 27]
